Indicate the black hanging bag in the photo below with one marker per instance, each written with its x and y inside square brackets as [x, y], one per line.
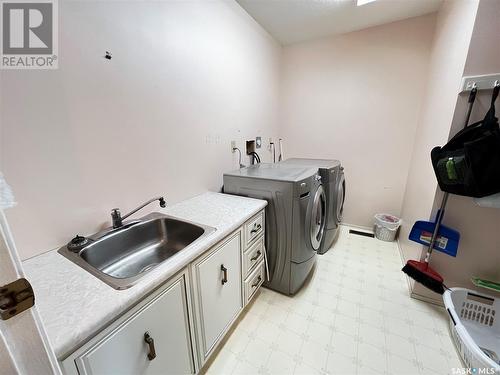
[469, 164]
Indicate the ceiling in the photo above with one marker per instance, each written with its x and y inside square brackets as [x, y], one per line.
[292, 21]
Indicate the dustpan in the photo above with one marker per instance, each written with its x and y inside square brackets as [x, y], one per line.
[446, 241]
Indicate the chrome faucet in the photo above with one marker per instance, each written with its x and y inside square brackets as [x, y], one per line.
[117, 218]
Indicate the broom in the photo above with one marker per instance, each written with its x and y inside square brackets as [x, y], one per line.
[421, 272]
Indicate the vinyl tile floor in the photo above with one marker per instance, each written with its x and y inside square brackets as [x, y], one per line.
[353, 316]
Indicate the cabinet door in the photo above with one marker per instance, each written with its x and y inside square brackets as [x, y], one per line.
[219, 290]
[125, 349]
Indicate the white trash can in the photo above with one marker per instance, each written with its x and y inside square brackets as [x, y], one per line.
[386, 227]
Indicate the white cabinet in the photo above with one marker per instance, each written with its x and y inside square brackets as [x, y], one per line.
[154, 339]
[218, 292]
[177, 327]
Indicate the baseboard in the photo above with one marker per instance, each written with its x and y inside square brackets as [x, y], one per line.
[437, 302]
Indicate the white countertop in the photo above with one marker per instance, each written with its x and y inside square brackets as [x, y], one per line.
[75, 305]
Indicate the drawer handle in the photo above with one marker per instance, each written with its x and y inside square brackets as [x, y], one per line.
[224, 274]
[151, 342]
[259, 279]
[256, 256]
[256, 228]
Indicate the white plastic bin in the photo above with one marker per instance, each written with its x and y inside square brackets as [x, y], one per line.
[475, 328]
[386, 227]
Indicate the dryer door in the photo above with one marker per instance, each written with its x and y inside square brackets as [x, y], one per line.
[318, 217]
[340, 197]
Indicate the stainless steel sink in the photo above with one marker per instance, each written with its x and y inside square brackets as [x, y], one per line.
[121, 256]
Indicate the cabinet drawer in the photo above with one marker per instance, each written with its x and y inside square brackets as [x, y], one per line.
[254, 227]
[254, 281]
[154, 340]
[253, 255]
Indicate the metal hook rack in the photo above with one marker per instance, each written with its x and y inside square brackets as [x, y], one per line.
[482, 82]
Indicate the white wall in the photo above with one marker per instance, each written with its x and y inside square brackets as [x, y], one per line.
[479, 249]
[185, 79]
[454, 25]
[356, 97]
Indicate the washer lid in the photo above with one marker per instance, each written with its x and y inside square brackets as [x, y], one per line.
[318, 218]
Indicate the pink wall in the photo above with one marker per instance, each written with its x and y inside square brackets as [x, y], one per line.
[185, 79]
[479, 251]
[356, 97]
[454, 25]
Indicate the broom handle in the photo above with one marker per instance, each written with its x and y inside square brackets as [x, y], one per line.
[439, 219]
[440, 215]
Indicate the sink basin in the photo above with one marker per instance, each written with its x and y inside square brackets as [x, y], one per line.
[120, 257]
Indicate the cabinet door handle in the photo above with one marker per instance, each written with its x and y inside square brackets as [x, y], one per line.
[224, 274]
[257, 282]
[151, 342]
[256, 228]
[256, 256]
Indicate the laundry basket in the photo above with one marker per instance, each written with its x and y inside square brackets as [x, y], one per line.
[386, 227]
[475, 328]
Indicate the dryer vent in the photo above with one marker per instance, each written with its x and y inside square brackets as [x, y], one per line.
[359, 233]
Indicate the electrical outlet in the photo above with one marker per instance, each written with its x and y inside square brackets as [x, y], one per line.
[233, 146]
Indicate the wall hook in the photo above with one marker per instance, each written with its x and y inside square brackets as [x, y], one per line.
[108, 55]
